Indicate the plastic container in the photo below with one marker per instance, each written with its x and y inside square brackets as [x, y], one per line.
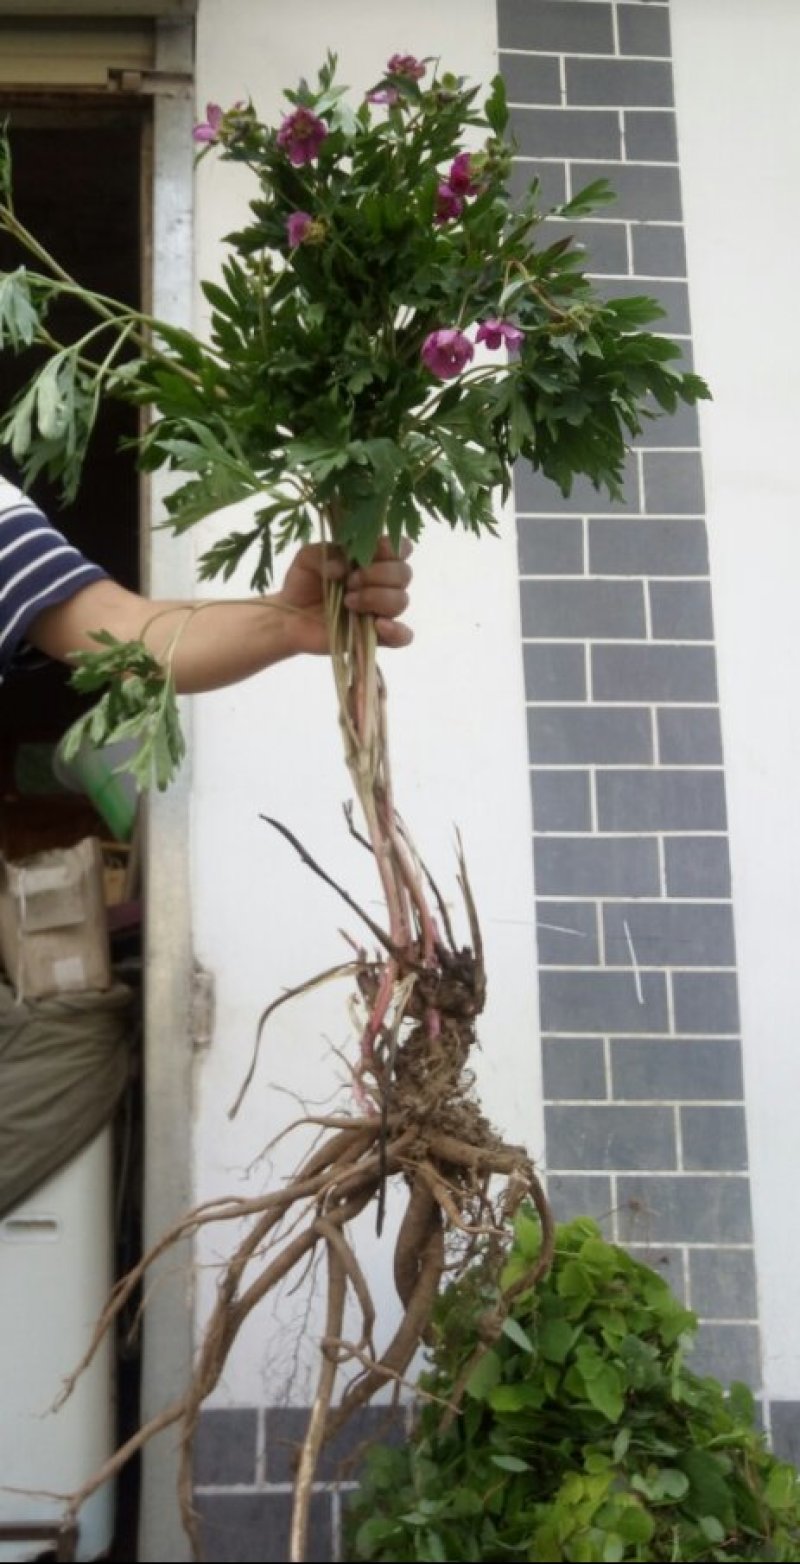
[93, 771]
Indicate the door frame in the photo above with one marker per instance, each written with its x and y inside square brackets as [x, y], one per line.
[168, 566]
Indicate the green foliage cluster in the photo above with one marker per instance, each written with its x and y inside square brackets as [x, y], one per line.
[138, 703]
[311, 392]
[583, 1435]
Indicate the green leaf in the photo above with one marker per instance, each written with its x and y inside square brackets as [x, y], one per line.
[496, 107]
[710, 1493]
[634, 311]
[18, 316]
[485, 1375]
[604, 1390]
[634, 1524]
[372, 1534]
[516, 1398]
[613, 1548]
[598, 193]
[742, 1403]
[513, 1330]
[662, 1483]
[527, 1234]
[510, 1463]
[781, 1492]
[711, 1528]
[554, 1340]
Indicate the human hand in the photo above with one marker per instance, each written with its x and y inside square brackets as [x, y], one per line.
[379, 589]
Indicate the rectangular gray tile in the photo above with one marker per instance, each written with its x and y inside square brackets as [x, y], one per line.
[672, 297]
[706, 1002]
[694, 1068]
[286, 1429]
[671, 430]
[667, 1261]
[550, 25]
[567, 133]
[596, 866]
[659, 250]
[534, 492]
[579, 1194]
[681, 611]
[561, 800]
[619, 82]
[661, 800]
[644, 29]
[531, 78]
[551, 177]
[566, 933]
[654, 673]
[623, 546]
[650, 136]
[689, 736]
[225, 1446]
[554, 671]
[583, 610]
[723, 1283]
[645, 194]
[605, 245]
[669, 934]
[253, 1528]
[609, 1137]
[727, 1352]
[550, 546]
[602, 1002]
[785, 1421]
[589, 735]
[573, 1067]
[714, 1140]
[697, 866]
[687, 1208]
[673, 483]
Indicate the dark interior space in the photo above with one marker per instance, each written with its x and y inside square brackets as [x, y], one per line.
[77, 184]
[78, 180]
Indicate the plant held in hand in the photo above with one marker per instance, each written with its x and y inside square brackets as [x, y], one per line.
[387, 339]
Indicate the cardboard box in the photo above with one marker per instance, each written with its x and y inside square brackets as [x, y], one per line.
[53, 929]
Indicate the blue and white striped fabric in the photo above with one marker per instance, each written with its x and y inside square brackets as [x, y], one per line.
[38, 569]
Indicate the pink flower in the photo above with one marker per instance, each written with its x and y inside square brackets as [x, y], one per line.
[460, 177]
[406, 65]
[387, 95]
[448, 204]
[301, 135]
[446, 352]
[297, 226]
[209, 128]
[496, 333]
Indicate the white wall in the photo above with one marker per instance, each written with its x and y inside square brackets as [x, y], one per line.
[739, 128]
[457, 713]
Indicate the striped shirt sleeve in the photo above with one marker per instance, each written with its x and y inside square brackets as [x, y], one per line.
[38, 569]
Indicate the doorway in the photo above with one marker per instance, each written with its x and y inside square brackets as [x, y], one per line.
[78, 176]
[81, 185]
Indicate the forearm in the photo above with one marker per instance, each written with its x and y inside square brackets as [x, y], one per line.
[208, 644]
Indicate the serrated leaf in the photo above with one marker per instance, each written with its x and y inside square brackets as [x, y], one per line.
[496, 107]
[598, 193]
[18, 317]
